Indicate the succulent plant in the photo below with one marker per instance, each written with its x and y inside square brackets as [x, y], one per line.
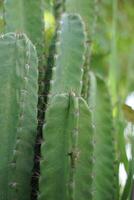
[57, 130]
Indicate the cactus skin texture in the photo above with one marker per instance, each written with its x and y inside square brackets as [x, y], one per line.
[67, 151]
[18, 115]
[69, 60]
[104, 182]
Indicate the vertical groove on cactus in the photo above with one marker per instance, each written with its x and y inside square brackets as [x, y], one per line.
[18, 98]
[68, 69]
[59, 8]
[104, 182]
[1, 17]
[73, 151]
[85, 78]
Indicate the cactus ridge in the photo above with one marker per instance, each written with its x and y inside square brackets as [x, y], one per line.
[69, 60]
[19, 78]
[104, 148]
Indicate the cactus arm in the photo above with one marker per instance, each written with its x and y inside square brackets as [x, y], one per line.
[83, 173]
[2, 23]
[87, 10]
[104, 180]
[27, 16]
[55, 150]
[18, 110]
[67, 73]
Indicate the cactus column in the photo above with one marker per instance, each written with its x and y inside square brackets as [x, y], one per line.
[18, 115]
[104, 169]
[66, 165]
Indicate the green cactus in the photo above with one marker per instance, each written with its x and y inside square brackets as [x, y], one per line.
[54, 171]
[66, 163]
[18, 115]
[104, 174]
[83, 172]
[27, 17]
[74, 156]
[87, 10]
[69, 58]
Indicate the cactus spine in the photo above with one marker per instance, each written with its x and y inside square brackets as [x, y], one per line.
[18, 113]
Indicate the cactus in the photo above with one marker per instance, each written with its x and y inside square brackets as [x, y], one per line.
[70, 110]
[73, 155]
[69, 60]
[27, 17]
[64, 137]
[18, 114]
[87, 10]
[104, 174]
